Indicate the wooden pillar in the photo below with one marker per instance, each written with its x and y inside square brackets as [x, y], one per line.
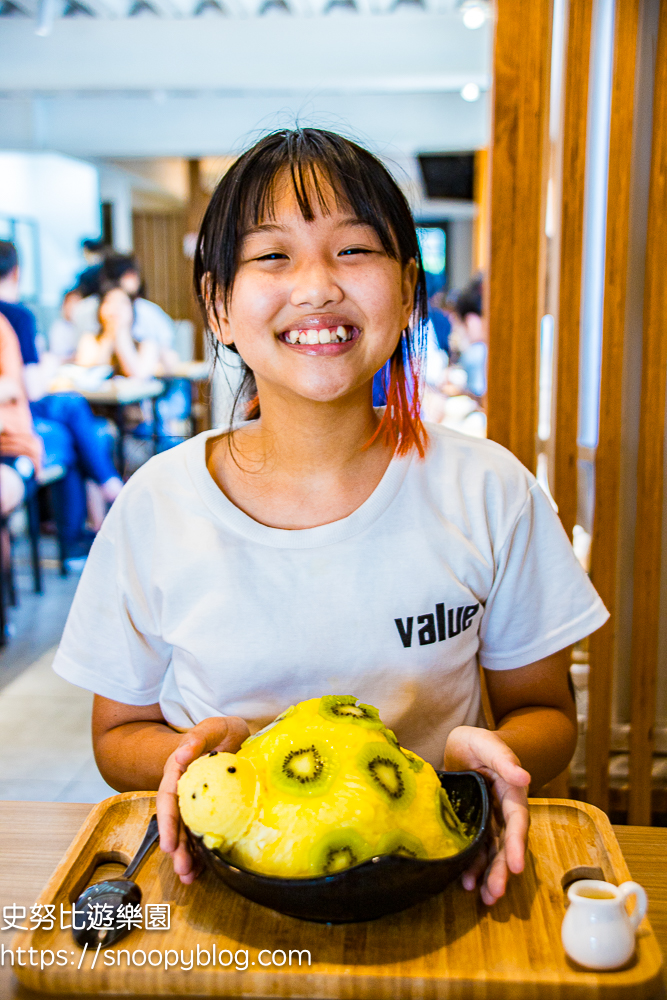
[604, 555]
[480, 229]
[650, 464]
[575, 117]
[518, 199]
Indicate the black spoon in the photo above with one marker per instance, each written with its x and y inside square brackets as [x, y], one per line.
[112, 892]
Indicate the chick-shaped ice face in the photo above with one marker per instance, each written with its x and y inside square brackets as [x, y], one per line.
[218, 797]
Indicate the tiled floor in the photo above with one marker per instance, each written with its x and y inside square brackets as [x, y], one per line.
[45, 745]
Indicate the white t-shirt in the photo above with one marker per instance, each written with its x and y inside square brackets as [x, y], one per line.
[188, 601]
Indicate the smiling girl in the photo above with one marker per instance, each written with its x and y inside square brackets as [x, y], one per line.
[323, 546]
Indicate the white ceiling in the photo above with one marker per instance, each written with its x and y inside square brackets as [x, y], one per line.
[169, 86]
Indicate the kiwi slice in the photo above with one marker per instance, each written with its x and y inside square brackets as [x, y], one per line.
[347, 708]
[400, 842]
[338, 850]
[303, 770]
[387, 771]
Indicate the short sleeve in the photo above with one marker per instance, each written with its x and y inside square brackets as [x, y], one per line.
[541, 600]
[111, 644]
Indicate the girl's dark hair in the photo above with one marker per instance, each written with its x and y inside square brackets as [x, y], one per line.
[316, 161]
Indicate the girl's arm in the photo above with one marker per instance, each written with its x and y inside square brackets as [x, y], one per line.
[536, 715]
[136, 749]
[534, 741]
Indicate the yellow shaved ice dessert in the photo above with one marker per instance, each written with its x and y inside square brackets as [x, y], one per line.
[323, 787]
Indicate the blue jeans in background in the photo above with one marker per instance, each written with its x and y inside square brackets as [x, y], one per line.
[79, 441]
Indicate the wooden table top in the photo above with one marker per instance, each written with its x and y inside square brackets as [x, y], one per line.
[35, 835]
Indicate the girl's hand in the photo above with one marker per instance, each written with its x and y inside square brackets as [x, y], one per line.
[471, 749]
[212, 734]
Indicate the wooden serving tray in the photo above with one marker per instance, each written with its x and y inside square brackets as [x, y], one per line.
[451, 946]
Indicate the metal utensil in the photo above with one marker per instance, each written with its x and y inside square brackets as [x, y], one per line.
[93, 925]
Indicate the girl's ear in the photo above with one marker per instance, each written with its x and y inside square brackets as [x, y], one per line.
[215, 312]
[408, 287]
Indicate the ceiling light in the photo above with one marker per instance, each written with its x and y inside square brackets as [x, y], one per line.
[470, 92]
[474, 13]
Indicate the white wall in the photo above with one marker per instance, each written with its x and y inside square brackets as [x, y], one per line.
[61, 194]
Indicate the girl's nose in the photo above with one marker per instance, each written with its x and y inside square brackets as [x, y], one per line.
[315, 287]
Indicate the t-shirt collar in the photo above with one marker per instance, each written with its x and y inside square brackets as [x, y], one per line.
[302, 538]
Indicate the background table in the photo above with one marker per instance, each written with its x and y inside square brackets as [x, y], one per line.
[114, 395]
[35, 835]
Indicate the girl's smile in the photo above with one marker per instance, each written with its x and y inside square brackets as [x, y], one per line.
[325, 336]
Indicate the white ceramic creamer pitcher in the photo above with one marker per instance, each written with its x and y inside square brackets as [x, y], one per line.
[598, 932]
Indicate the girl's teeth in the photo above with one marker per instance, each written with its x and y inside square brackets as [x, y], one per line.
[318, 336]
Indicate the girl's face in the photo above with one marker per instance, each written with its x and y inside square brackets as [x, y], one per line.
[317, 307]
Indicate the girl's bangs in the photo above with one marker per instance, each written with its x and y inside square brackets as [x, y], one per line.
[315, 181]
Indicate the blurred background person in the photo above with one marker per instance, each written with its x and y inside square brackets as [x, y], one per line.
[63, 337]
[149, 323]
[438, 314]
[121, 328]
[21, 450]
[455, 389]
[468, 342]
[88, 281]
[21, 319]
[72, 436]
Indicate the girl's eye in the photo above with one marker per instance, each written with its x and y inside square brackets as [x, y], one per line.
[272, 256]
[353, 250]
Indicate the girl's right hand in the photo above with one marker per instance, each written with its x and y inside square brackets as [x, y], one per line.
[212, 734]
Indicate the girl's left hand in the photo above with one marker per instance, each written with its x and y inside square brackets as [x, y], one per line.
[472, 749]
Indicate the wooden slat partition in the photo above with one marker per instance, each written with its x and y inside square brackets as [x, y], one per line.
[604, 558]
[575, 117]
[518, 184]
[158, 245]
[650, 465]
